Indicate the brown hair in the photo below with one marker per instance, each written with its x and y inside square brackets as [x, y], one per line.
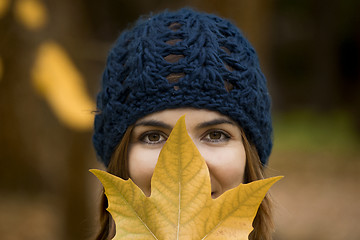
[263, 223]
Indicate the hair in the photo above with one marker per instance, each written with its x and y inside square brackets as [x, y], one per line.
[254, 170]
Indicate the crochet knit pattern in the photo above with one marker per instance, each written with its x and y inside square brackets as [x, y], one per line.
[182, 59]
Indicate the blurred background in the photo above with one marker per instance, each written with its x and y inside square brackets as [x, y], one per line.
[52, 55]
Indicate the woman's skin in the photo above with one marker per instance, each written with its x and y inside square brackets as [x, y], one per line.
[216, 136]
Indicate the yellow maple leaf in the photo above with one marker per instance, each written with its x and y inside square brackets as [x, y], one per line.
[180, 205]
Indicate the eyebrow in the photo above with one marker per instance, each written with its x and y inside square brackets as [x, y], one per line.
[154, 123]
[215, 122]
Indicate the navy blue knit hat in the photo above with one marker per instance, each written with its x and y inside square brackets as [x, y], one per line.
[182, 59]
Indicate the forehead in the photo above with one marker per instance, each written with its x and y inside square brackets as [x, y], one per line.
[192, 116]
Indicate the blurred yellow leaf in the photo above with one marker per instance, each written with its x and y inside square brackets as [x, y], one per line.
[57, 79]
[4, 6]
[31, 13]
[180, 205]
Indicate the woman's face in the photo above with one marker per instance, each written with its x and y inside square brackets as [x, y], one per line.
[216, 136]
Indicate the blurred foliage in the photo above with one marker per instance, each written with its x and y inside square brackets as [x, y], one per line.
[4, 5]
[311, 132]
[1, 69]
[31, 13]
[62, 85]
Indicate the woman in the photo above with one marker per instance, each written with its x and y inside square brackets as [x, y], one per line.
[177, 63]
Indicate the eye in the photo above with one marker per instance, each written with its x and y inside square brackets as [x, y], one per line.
[153, 138]
[216, 136]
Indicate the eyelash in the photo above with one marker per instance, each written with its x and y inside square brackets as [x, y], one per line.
[147, 134]
[224, 137]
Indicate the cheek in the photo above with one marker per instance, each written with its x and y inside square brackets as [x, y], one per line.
[227, 165]
[235, 168]
[142, 163]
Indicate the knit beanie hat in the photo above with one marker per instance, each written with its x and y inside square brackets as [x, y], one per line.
[182, 59]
